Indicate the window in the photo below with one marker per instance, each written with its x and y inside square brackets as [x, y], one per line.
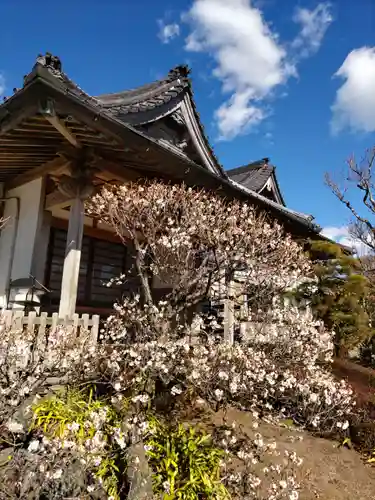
[100, 261]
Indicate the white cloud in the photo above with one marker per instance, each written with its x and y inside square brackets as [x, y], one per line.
[168, 31]
[251, 62]
[342, 235]
[314, 24]
[333, 232]
[268, 137]
[354, 105]
[238, 114]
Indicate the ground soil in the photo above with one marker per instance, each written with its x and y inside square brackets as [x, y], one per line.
[361, 378]
[328, 472]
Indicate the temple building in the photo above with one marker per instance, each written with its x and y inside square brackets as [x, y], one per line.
[58, 145]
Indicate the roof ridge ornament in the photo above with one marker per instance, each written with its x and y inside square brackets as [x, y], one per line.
[49, 61]
[180, 71]
[265, 163]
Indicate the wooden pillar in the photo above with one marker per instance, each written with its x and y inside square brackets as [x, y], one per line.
[243, 316]
[229, 314]
[77, 187]
[69, 285]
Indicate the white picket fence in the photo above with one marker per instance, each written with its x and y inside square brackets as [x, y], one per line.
[32, 321]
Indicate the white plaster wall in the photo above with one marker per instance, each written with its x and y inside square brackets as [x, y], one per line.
[7, 234]
[31, 201]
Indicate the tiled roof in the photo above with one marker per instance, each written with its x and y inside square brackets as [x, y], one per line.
[136, 100]
[49, 68]
[148, 96]
[129, 105]
[253, 176]
[307, 220]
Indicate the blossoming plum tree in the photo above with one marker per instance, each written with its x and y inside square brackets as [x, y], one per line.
[196, 243]
[192, 239]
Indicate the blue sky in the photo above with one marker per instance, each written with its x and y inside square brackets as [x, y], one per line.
[263, 74]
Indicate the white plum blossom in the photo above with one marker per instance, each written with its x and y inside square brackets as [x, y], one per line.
[278, 367]
[33, 446]
[15, 427]
[142, 398]
[211, 236]
[176, 390]
[218, 394]
[345, 425]
[57, 474]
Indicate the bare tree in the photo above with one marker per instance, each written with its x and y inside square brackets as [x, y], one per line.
[361, 203]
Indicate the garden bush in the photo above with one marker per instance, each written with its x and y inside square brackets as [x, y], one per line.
[79, 442]
[185, 463]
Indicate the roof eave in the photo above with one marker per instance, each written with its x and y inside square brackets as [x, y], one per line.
[184, 101]
[22, 104]
[295, 216]
[198, 135]
[190, 171]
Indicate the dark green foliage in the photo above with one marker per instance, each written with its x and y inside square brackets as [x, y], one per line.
[340, 296]
[367, 352]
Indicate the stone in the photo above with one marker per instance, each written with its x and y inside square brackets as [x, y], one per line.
[139, 473]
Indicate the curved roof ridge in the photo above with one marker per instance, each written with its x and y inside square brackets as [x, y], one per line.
[179, 76]
[254, 165]
[51, 65]
[131, 105]
[256, 175]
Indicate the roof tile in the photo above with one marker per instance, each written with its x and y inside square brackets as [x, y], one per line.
[253, 176]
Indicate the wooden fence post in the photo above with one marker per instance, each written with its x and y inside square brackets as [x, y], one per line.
[38, 325]
[8, 316]
[95, 328]
[54, 323]
[17, 320]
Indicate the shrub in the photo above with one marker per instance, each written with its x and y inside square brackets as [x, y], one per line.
[147, 363]
[338, 295]
[185, 463]
[91, 428]
[30, 363]
[283, 369]
[280, 371]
